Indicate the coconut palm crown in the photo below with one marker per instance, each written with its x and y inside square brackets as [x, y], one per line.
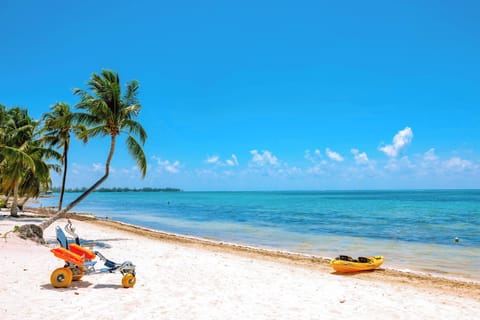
[108, 113]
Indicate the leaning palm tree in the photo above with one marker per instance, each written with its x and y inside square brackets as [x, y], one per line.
[109, 114]
[58, 126]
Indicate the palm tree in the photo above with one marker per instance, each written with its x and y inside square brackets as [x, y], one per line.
[17, 132]
[14, 162]
[58, 125]
[107, 113]
[33, 182]
[23, 169]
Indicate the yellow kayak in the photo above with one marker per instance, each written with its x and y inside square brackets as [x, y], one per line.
[347, 264]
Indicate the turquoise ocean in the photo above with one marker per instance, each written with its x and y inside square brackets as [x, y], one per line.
[414, 230]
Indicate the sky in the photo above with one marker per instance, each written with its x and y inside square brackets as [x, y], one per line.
[263, 95]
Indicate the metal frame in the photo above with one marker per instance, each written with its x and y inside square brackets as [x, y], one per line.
[126, 267]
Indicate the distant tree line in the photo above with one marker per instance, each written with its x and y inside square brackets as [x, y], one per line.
[116, 189]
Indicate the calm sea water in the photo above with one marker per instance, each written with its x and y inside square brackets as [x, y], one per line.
[414, 230]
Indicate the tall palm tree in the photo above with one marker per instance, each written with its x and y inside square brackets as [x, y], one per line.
[58, 125]
[109, 114]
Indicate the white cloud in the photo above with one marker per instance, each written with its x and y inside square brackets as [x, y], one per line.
[291, 171]
[402, 164]
[458, 164]
[76, 169]
[400, 141]
[430, 155]
[316, 170]
[263, 159]
[334, 155]
[233, 162]
[213, 159]
[166, 165]
[98, 167]
[441, 167]
[360, 157]
[312, 158]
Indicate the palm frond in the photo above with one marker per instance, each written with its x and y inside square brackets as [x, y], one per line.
[137, 154]
[131, 111]
[81, 132]
[137, 129]
[98, 131]
[130, 97]
[87, 119]
[14, 155]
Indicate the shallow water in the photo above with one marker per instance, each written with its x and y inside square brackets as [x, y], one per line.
[414, 230]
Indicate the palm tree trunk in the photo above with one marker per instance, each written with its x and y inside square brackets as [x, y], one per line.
[7, 199]
[14, 207]
[24, 201]
[64, 178]
[60, 214]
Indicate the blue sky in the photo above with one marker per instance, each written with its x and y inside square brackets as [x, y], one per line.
[264, 95]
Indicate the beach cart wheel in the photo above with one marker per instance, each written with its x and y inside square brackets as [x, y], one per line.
[61, 278]
[128, 280]
[78, 273]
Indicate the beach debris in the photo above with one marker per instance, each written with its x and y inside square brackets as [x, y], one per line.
[31, 232]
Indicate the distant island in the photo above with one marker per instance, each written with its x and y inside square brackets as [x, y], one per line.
[147, 189]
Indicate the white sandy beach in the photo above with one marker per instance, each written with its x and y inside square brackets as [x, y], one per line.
[178, 278]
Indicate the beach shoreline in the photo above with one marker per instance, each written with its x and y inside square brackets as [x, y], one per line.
[408, 228]
[431, 281]
[298, 259]
[220, 275]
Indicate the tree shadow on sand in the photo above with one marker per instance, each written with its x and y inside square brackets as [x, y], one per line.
[26, 219]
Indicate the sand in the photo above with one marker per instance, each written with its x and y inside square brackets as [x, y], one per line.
[188, 278]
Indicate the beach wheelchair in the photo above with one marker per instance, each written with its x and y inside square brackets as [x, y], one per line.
[79, 261]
